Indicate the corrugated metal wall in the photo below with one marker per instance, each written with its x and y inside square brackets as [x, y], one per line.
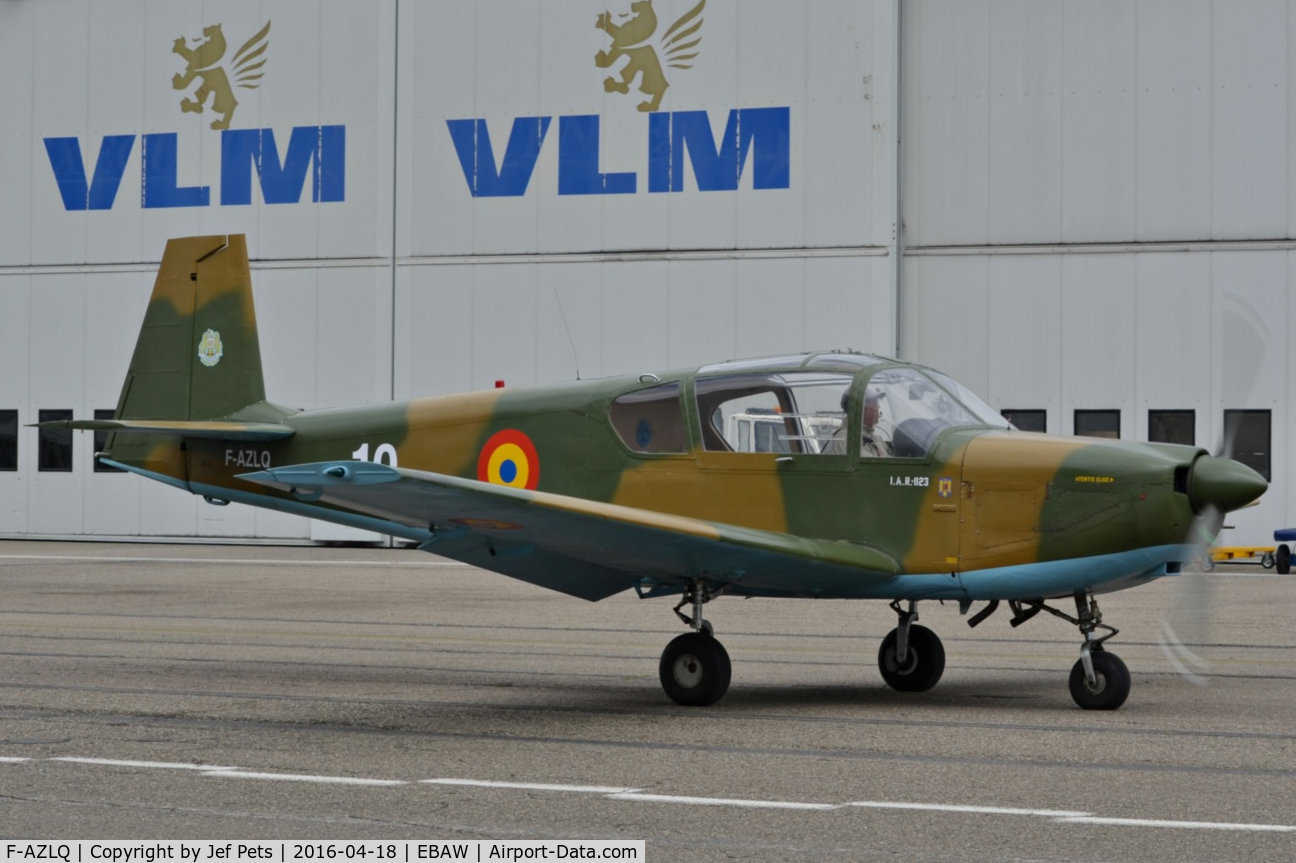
[1096, 196]
[1098, 208]
[417, 279]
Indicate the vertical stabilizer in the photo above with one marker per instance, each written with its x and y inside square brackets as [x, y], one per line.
[198, 356]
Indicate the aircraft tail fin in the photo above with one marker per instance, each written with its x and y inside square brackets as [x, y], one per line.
[198, 356]
[196, 370]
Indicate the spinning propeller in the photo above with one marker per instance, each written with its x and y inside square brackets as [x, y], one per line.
[1188, 619]
[1217, 484]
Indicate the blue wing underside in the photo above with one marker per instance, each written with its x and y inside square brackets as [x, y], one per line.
[582, 548]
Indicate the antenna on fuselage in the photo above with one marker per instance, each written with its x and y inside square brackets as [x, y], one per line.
[571, 343]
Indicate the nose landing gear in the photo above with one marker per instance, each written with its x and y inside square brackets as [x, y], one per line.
[1099, 680]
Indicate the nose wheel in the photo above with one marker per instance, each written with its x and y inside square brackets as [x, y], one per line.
[1107, 688]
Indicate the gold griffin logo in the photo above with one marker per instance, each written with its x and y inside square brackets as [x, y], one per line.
[634, 39]
[203, 62]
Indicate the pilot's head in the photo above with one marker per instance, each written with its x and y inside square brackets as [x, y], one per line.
[872, 409]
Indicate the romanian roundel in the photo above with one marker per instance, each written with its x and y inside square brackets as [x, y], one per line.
[509, 458]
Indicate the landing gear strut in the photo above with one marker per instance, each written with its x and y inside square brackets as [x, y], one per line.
[1099, 680]
[911, 658]
[695, 667]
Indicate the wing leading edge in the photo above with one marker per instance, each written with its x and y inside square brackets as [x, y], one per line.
[580, 547]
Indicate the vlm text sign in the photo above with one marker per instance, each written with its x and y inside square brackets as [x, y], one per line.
[315, 153]
[717, 161]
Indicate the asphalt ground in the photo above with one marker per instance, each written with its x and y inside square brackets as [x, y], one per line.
[257, 692]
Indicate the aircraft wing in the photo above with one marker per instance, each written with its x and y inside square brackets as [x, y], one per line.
[580, 547]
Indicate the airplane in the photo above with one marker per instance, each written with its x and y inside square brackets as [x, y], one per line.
[825, 474]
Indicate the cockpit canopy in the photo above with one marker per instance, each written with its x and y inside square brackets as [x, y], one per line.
[811, 404]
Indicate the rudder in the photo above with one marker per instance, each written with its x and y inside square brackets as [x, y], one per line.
[198, 356]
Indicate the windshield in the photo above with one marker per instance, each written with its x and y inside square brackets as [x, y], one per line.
[905, 409]
[985, 414]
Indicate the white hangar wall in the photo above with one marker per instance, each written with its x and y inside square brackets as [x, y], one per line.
[1097, 205]
[100, 165]
[592, 259]
[1046, 122]
[79, 362]
[436, 196]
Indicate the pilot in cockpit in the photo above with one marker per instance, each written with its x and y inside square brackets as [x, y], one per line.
[875, 441]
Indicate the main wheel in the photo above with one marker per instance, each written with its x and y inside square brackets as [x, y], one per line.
[1282, 559]
[924, 660]
[1111, 687]
[695, 669]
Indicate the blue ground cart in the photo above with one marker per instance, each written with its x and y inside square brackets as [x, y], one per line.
[1282, 554]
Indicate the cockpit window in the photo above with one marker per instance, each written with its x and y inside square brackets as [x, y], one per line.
[985, 414]
[650, 420]
[905, 409]
[780, 412]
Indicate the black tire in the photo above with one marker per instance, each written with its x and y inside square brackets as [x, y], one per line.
[1282, 559]
[1112, 687]
[694, 670]
[924, 661]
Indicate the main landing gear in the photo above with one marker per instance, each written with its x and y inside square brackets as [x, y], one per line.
[695, 667]
[911, 658]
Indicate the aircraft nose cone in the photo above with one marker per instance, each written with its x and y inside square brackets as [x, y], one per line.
[1224, 484]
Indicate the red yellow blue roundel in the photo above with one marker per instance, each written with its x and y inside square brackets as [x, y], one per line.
[509, 458]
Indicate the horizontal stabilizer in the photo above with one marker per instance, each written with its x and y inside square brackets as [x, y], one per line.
[179, 428]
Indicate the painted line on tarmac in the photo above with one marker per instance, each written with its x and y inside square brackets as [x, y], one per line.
[636, 795]
[529, 786]
[1182, 825]
[147, 765]
[970, 810]
[722, 801]
[220, 771]
[226, 773]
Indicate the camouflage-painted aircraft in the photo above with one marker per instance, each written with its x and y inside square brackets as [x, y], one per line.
[829, 475]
